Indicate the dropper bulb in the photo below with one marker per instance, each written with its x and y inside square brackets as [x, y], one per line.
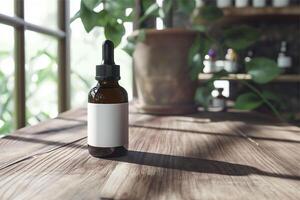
[108, 52]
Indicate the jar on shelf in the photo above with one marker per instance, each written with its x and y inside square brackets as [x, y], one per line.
[249, 56]
[284, 61]
[280, 3]
[218, 102]
[224, 3]
[210, 62]
[241, 3]
[259, 3]
[230, 63]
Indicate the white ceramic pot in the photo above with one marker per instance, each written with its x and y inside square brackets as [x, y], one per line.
[224, 3]
[259, 3]
[280, 3]
[241, 3]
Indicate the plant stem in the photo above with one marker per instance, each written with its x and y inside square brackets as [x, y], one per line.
[104, 4]
[168, 19]
[267, 102]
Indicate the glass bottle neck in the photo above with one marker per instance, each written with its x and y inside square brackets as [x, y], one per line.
[108, 83]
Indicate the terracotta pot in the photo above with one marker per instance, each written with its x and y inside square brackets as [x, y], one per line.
[162, 74]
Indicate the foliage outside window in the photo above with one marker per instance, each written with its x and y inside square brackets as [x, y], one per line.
[40, 65]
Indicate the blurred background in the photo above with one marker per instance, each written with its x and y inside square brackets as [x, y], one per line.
[183, 55]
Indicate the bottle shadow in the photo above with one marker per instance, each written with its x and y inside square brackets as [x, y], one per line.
[196, 165]
[191, 164]
[215, 133]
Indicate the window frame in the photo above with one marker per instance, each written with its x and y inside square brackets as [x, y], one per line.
[62, 34]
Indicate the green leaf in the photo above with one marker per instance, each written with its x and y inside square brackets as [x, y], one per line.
[89, 18]
[129, 48]
[205, 44]
[50, 56]
[129, 17]
[151, 11]
[114, 32]
[6, 128]
[240, 37]
[116, 9]
[166, 7]
[203, 95]
[262, 70]
[210, 13]
[193, 51]
[45, 74]
[102, 18]
[113, 10]
[119, 5]
[44, 114]
[274, 98]
[195, 60]
[133, 40]
[91, 4]
[141, 36]
[2, 75]
[76, 16]
[248, 101]
[196, 55]
[200, 28]
[5, 105]
[4, 54]
[146, 3]
[270, 96]
[197, 66]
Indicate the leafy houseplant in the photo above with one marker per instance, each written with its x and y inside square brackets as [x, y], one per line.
[112, 15]
[160, 56]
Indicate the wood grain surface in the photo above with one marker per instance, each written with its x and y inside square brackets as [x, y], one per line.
[201, 156]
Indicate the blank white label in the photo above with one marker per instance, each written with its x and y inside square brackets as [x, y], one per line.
[108, 125]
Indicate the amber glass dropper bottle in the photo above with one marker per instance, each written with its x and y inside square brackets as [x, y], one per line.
[107, 109]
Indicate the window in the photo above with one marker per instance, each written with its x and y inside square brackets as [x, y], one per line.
[34, 61]
[6, 78]
[37, 77]
[86, 53]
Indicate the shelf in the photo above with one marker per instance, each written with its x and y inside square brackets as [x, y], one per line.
[236, 77]
[233, 15]
[266, 11]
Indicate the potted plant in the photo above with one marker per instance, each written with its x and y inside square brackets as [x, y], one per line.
[160, 57]
[167, 62]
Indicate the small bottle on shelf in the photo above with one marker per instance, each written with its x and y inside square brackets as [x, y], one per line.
[241, 3]
[224, 3]
[259, 3]
[283, 60]
[249, 56]
[280, 3]
[230, 63]
[219, 101]
[210, 61]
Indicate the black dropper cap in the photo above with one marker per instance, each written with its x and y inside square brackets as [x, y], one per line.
[108, 70]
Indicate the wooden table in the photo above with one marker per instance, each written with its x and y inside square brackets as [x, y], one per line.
[201, 156]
